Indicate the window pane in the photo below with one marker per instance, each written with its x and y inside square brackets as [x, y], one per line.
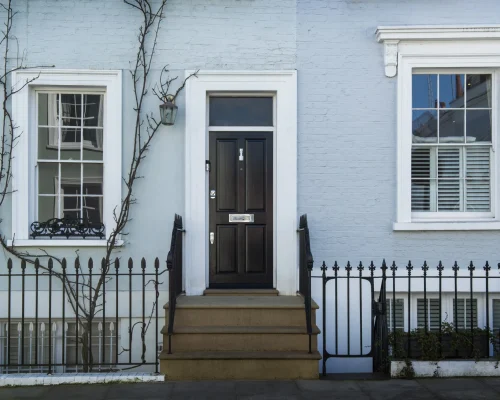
[71, 105]
[48, 208]
[451, 91]
[241, 111]
[70, 207]
[48, 106]
[92, 144]
[92, 209]
[47, 143]
[70, 143]
[92, 179]
[424, 91]
[478, 126]
[93, 110]
[451, 126]
[70, 175]
[424, 126]
[478, 91]
[48, 178]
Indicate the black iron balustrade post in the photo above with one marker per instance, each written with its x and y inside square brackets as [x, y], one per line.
[50, 267]
[9, 308]
[455, 269]
[426, 306]
[394, 268]
[383, 337]
[348, 268]
[23, 282]
[77, 299]
[37, 267]
[157, 294]
[360, 269]
[372, 268]
[130, 266]
[63, 266]
[143, 328]
[323, 299]
[409, 268]
[90, 359]
[336, 269]
[440, 268]
[103, 332]
[487, 273]
[471, 269]
[310, 263]
[117, 267]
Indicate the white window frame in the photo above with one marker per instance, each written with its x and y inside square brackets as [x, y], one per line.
[439, 49]
[24, 116]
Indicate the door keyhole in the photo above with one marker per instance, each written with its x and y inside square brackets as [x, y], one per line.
[241, 154]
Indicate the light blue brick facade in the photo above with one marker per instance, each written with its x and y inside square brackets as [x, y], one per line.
[346, 108]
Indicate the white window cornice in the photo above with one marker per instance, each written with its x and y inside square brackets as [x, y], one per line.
[393, 36]
[23, 106]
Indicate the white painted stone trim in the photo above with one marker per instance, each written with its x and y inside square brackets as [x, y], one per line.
[284, 85]
[448, 369]
[392, 35]
[68, 379]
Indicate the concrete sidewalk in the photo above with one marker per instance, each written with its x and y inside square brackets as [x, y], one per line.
[487, 388]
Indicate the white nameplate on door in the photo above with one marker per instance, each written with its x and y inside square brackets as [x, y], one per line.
[240, 217]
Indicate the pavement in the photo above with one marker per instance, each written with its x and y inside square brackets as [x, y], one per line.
[421, 389]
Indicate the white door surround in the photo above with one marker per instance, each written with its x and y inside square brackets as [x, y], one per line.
[283, 84]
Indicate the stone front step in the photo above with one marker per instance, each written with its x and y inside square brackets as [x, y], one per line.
[240, 311]
[239, 365]
[238, 338]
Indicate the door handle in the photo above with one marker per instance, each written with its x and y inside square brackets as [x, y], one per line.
[212, 237]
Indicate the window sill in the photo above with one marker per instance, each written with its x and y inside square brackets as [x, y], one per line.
[447, 226]
[62, 243]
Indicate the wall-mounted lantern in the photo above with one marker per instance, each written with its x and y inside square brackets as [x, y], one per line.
[168, 110]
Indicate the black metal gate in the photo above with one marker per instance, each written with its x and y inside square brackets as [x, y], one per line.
[349, 304]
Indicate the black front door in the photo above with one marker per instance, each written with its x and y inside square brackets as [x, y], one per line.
[241, 209]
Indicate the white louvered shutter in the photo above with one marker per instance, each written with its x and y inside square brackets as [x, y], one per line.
[496, 315]
[433, 317]
[448, 187]
[463, 320]
[477, 183]
[420, 176]
[396, 314]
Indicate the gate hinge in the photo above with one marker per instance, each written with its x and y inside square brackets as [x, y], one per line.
[379, 307]
[207, 165]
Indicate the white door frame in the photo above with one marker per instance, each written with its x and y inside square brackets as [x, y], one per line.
[284, 85]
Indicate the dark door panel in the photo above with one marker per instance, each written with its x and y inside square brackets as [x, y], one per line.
[241, 254]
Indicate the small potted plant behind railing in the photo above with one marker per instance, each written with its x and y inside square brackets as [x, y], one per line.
[450, 343]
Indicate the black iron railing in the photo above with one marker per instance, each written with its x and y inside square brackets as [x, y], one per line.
[67, 228]
[174, 265]
[83, 317]
[453, 313]
[306, 263]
